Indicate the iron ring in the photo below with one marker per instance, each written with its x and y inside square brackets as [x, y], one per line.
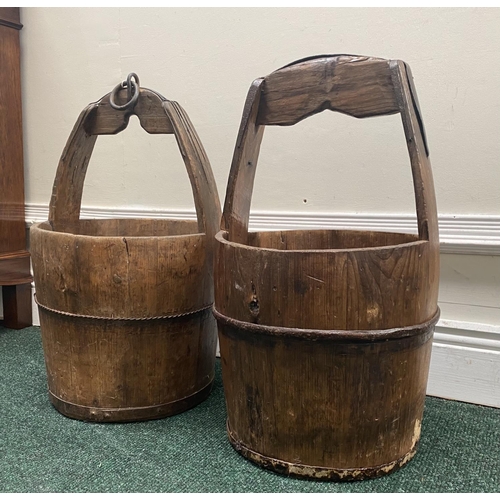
[133, 91]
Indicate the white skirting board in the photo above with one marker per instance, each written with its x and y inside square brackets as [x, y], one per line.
[458, 233]
[465, 362]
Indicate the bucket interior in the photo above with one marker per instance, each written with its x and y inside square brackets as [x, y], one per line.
[128, 227]
[326, 239]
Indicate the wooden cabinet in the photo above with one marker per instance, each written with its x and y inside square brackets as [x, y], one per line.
[15, 278]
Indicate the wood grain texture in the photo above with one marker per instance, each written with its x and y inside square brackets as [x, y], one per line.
[14, 258]
[323, 285]
[12, 226]
[325, 335]
[14, 268]
[345, 408]
[157, 115]
[243, 167]
[200, 173]
[123, 276]
[149, 109]
[117, 371]
[125, 304]
[67, 191]
[425, 198]
[345, 75]
[354, 85]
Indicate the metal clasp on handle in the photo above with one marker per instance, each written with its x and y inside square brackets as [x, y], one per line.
[133, 90]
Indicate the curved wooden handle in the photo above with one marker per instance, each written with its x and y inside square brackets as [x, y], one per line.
[157, 115]
[355, 85]
[106, 120]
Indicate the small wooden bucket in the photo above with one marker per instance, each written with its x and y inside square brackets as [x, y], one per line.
[326, 335]
[124, 305]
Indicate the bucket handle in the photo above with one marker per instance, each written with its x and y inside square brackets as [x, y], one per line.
[355, 85]
[157, 115]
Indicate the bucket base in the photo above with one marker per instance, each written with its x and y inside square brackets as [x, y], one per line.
[92, 414]
[303, 471]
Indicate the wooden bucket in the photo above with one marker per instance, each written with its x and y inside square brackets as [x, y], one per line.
[125, 305]
[325, 335]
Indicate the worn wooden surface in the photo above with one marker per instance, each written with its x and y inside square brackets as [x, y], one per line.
[125, 275]
[324, 408]
[125, 304]
[14, 258]
[317, 284]
[128, 370]
[357, 86]
[13, 268]
[99, 118]
[332, 405]
[149, 110]
[243, 167]
[425, 198]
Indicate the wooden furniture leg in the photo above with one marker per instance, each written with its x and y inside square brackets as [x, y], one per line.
[17, 306]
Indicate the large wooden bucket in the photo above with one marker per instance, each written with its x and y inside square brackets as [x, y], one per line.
[125, 305]
[325, 335]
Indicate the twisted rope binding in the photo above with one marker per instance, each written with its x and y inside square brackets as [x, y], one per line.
[147, 318]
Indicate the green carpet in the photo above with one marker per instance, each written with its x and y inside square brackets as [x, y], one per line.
[43, 451]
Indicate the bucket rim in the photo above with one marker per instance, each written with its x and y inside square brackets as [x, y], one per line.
[221, 237]
[38, 226]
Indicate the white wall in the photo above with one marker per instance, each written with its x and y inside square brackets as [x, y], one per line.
[329, 169]
[206, 59]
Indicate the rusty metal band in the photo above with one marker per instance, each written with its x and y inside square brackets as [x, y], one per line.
[130, 414]
[300, 470]
[146, 318]
[333, 335]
